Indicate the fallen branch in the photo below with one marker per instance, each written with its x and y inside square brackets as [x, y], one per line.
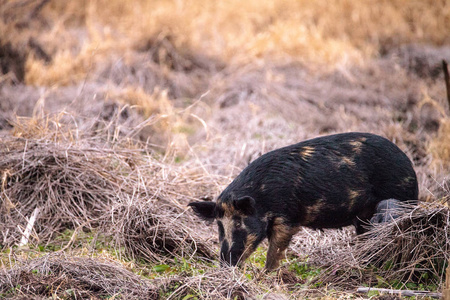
[405, 293]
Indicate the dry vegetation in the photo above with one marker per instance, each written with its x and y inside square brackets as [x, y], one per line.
[115, 114]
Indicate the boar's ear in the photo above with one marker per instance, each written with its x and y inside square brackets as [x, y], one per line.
[245, 204]
[204, 210]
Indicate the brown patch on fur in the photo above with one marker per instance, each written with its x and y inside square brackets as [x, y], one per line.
[262, 188]
[278, 242]
[248, 184]
[227, 223]
[313, 211]
[251, 238]
[228, 210]
[306, 152]
[347, 161]
[353, 196]
[407, 180]
[249, 247]
[358, 144]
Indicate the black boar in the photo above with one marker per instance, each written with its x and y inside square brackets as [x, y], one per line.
[387, 211]
[326, 182]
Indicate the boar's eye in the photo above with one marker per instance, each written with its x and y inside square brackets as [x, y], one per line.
[238, 224]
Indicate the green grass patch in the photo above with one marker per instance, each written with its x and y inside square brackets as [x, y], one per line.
[258, 257]
[305, 271]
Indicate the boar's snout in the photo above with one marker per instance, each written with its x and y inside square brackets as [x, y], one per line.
[232, 255]
[225, 255]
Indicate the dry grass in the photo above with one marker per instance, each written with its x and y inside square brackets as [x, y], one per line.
[415, 247]
[158, 232]
[215, 284]
[78, 182]
[71, 186]
[66, 277]
[311, 32]
[412, 249]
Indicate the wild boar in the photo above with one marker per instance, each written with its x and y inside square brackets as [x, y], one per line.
[326, 182]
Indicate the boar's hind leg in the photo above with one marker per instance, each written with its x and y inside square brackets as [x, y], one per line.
[280, 236]
[362, 220]
[359, 226]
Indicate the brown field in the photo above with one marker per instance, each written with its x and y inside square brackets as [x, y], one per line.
[116, 114]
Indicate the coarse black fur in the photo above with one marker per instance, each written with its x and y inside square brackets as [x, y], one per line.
[326, 182]
[284, 183]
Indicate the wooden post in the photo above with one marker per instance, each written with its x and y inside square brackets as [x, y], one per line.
[446, 290]
[446, 80]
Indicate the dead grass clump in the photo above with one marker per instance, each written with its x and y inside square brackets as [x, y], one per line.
[89, 112]
[154, 106]
[148, 104]
[223, 283]
[70, 186]
[157, 231]
[320, 247]
[46, 128]
[61, 276]
[415, 247]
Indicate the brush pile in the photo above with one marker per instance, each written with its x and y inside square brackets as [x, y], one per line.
[80, 277]
[225, 283]
[157, 231]
[414, 247]
[80, 186]
[69, 277]
[70, 186]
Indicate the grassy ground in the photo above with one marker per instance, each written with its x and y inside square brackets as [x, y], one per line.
[114, 115]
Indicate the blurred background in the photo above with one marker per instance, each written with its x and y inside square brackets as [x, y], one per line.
[225, 81]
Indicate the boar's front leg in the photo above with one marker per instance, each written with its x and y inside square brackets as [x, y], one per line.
[280, 236]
